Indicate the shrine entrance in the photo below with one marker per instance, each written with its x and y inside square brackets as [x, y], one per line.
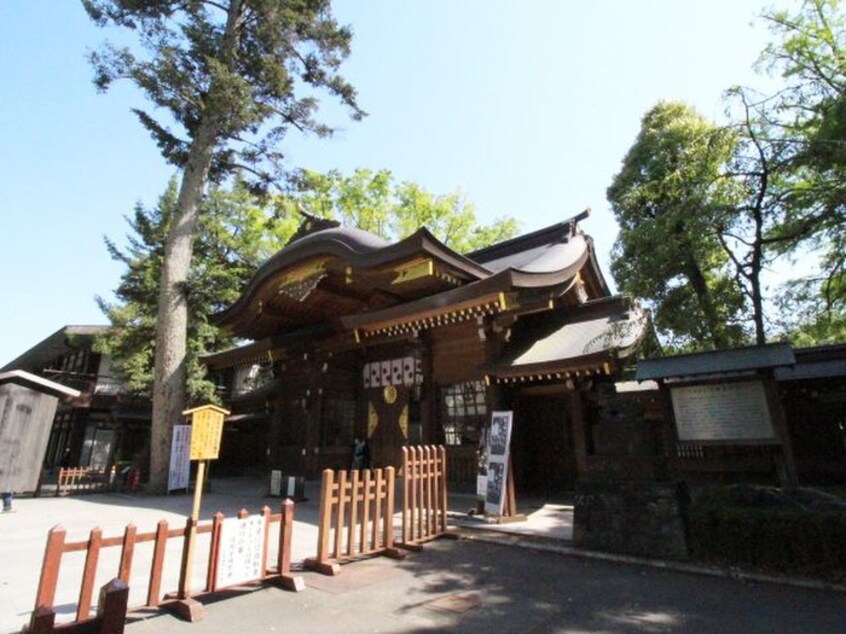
[542, 447]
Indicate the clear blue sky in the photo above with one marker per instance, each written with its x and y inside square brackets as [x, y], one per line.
[526, 107]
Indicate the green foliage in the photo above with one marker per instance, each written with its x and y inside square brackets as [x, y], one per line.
[372, 201]
[236, 234]
[809, 53]
[238, 231]
[238, 70]
[670, 199]
[765, 529]
[228, 79]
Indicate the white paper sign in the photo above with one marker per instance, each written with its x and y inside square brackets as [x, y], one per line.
[240, 553]
[180, 458]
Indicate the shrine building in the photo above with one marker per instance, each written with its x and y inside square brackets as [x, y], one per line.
[412, 343]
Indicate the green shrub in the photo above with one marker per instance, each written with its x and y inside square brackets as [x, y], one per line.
[771, 530]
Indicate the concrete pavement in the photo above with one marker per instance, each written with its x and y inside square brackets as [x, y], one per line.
[451, 585]
[470, 586]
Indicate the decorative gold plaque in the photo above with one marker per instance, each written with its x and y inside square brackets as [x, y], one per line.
[390, 394]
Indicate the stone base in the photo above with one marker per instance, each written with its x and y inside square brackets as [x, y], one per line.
[642, 518]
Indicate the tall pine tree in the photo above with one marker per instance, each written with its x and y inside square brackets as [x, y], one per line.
[228, 79]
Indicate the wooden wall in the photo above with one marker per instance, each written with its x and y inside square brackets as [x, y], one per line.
[457, 354]
[25, 420]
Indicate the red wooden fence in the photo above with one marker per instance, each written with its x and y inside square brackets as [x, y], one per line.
[84, 480]
[424, 501]
[43, 616]
[356, 517]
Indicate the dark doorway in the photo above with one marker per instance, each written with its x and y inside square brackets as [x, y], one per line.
[542, 447]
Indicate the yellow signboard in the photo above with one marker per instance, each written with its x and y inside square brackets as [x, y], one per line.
[206, 431]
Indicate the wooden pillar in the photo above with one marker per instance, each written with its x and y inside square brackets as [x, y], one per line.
[787, 471]
[580, 430]
[274, 434]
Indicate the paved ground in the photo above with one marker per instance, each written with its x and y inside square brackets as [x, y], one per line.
[452, 585]
[469, 586]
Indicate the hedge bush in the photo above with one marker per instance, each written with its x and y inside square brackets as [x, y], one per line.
[763, 528]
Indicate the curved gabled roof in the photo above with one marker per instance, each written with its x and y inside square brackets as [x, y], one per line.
[354, 276]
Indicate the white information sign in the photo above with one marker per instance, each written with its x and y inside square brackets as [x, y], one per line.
[275, 482]
[180, 460]
[240, 553]
[499, 439]
[723, 412]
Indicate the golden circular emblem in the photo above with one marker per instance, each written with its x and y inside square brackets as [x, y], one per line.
[390, 394]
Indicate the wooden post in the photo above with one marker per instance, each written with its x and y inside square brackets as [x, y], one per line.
[46, 594]
[322, 562]
[579, 432]
[43, 616]
[191, 535]
[787, 474]
[265, 539]
[509, 512]
[111, 608]
[128, 549]
[288, 581]
[157, 566]
[377, 507]
[443, 491]
[339, 514]
[365, 513]
[211, 569]
[406, 470]
[388, 528]
[325, 515]
[185, 607]
[83, 609]
[351, 532]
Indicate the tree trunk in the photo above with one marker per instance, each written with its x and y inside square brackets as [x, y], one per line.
[706, 305]
[170, 375]
[169, 380]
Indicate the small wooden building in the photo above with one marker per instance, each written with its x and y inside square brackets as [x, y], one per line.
[27, 405]
[411, 342]
[105, 423]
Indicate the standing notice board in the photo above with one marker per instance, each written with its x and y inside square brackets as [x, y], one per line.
[206, 431]
[499, 440]
[734, 412]
[180, 463]
[240, 551]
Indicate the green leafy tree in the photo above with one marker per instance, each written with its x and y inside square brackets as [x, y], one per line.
[227, 79]
[670, 198]
[236, 233]
[374, 202]
[809, 114]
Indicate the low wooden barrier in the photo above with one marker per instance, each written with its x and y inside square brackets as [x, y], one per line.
[356, 518]
[181, 600]
[424, 500]
[84, 480]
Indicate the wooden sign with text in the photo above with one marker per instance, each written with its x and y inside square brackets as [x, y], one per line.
[206, 431]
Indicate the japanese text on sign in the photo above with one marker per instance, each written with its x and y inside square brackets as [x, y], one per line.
[241, 548]
[722, 412]
[180, 463]
[206, 430]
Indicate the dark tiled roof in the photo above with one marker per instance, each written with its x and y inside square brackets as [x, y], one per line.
[62, 341]
[717, 362]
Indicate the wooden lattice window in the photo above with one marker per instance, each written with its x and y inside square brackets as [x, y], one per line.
[464, 409]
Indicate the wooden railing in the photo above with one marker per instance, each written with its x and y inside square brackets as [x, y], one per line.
[356, 517]
[424, 501]
[84, 480]
[180, 600]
